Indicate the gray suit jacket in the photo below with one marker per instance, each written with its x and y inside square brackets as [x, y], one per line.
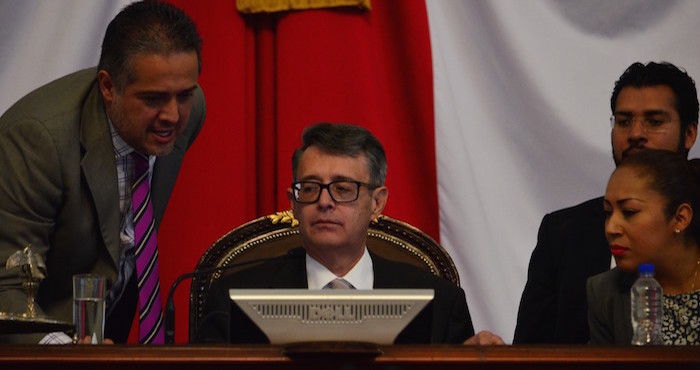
[58, 188]
[609, 315]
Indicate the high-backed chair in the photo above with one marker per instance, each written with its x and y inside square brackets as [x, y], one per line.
[276, 234]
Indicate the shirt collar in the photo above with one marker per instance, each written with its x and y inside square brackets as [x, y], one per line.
[361, 276]
[121, 148]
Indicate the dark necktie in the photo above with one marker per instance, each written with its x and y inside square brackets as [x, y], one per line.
[150, 305]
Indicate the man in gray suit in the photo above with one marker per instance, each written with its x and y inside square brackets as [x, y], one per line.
[67, 165]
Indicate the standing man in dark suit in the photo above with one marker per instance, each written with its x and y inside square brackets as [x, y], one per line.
[67, 164]
[653, 106]
[338, 188]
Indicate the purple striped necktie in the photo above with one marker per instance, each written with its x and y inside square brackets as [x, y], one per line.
[151, 329]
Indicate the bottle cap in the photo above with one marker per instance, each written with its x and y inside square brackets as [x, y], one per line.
[646, 268]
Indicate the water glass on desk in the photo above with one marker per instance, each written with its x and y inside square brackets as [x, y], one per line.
[89, 307]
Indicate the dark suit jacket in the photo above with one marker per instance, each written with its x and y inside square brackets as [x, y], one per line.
[58, 188]
[571, 247]
[609, 315]
[451, 322]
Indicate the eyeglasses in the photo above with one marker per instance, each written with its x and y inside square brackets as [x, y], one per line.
[343, 191]
[651, 124]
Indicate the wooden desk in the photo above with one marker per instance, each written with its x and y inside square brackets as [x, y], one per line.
[390, 357]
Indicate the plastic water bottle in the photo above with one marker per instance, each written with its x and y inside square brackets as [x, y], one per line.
[647, 308]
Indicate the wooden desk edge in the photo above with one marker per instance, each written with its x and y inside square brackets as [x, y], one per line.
[417, 355]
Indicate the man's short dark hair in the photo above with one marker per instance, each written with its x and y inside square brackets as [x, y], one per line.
[639, 75]
[347, 140]
[146, 27]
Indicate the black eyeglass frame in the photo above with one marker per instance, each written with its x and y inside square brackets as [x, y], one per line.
[296, 187]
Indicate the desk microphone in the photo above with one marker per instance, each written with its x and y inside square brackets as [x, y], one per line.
[170, 305]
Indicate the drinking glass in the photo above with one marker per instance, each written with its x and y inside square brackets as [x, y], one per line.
[89, 307]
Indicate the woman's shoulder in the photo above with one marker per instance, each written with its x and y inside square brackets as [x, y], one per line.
[612, 280]
[603, 277]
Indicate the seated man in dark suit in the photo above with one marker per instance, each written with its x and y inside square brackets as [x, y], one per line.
[654, 106]
[349, 163]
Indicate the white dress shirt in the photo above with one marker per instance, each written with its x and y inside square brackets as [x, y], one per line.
[361, 276]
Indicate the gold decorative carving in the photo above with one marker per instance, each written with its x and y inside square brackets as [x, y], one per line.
[272, 6]
[286, 217]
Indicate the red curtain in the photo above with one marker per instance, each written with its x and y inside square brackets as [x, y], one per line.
[266, 77]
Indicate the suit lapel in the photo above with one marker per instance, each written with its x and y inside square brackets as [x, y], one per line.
[99, 168]
[598, 247]
[165, 172]
[166, 169]
[385, 276]
[625, 285]
[291, 275]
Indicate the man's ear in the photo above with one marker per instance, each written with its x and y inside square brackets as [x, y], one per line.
[290, 196]
[691, 133]
[106, 86]
[379, 198]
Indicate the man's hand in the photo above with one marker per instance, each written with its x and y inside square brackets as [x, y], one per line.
[484, 338]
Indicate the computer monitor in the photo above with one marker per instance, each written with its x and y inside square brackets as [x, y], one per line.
[283, 316]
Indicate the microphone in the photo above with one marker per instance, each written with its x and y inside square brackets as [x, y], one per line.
[169, 315]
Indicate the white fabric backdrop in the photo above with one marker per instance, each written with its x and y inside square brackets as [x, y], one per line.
[53, 37]
[522, 93]
[522, 107]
